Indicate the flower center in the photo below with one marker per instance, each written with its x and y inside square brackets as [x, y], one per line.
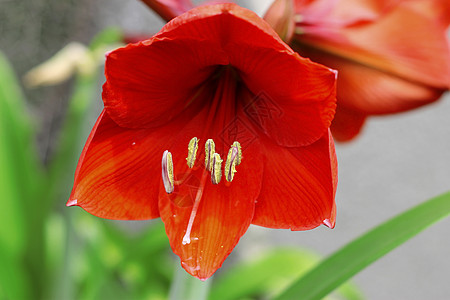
[213, 164]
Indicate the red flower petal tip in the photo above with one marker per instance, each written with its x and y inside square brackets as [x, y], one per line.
[328, 223]
[72, 202]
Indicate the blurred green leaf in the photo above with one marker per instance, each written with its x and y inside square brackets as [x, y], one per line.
[360, 253]
[267, 275]
[13, 280]
[108, 36]
[18, 162]
[20, 176]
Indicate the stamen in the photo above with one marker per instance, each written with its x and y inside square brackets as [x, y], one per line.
[167, 172]
[216, 171]
[210, 149]
[233, 159]
[192, 152]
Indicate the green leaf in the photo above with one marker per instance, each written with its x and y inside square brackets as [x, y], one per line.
[13, 280]
[18, 161]
[360, 253]
[267, 275]
[20, 177]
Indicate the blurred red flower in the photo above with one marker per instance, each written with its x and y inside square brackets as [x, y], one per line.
[217, 72]
[392, 55]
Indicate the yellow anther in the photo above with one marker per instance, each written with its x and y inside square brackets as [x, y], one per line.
[167, 172]
[210, 149]
[233, 159]
[216, 170]
[192, 152]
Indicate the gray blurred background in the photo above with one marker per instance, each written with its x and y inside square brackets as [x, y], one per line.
[397, 162]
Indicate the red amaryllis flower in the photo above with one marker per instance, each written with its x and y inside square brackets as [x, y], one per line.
[392, 55]
[218, 90]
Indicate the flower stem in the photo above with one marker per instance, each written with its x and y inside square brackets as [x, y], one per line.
[187, 287]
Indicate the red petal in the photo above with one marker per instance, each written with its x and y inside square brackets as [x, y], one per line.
[299, 186]
[347, 124]
[119, 172]
[408, 40]
[152, 82]
[224, 214]
[145, 85]
[295, 99]
[365, 90]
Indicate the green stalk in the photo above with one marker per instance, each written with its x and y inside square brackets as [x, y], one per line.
[187, 287]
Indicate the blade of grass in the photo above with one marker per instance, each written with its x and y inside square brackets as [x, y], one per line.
[360, 253]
